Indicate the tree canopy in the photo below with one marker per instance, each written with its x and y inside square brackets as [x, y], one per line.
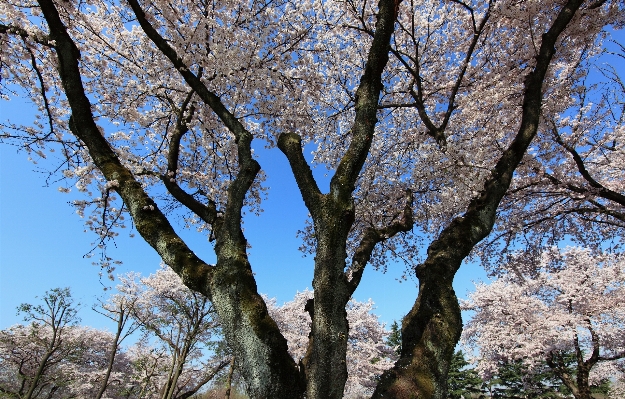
[440, 121]
[568, 316]
[174, 353]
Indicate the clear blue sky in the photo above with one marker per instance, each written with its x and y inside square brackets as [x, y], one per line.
[42, 243]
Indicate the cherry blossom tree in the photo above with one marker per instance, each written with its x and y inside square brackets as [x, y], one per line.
[74, 369]
[117, 308]
[185, 327]
[151, 373]
[571, 305]
[149, 365]
[52, 357]
[368, 355]
[33, 350]
[423, 110]
[88, 367]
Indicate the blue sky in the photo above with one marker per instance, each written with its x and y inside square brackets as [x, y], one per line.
[42, 242]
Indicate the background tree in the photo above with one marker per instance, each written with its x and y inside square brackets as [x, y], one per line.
[75, 368]
[514, 379]
[185, 327]
[433, 135]
[53, 357]
[394, 337]
[463, 381]
[616, 389]
[48, 333]
[568, 315]
[117, 308]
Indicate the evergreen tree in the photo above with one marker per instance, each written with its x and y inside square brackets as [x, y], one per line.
[462, 382]
[394, 338]
[514, 380]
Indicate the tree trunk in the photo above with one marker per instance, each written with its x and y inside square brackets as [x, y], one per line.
[430, 332]
[111, 359]
[176, 371]
[326, 371]
[583, 388]
[578, 384]
[34, 382]
[268, 369]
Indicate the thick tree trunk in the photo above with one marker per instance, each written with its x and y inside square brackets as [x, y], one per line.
[430, 332]
[269, 370]
[326, 369]
[578, 383]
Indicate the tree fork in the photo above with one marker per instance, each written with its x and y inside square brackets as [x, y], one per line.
[333, 216]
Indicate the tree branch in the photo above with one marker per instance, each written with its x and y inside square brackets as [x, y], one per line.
[616, 356]
[204, 381]
[149, 220]
[231, 122]
[23, 33]
[208, 213]
[581, 167]
[594, 357]
[433, 326]
[438, 132]
[291, 145]
[597, 4]
[248, 167]
[343, 182]
[373, 236]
